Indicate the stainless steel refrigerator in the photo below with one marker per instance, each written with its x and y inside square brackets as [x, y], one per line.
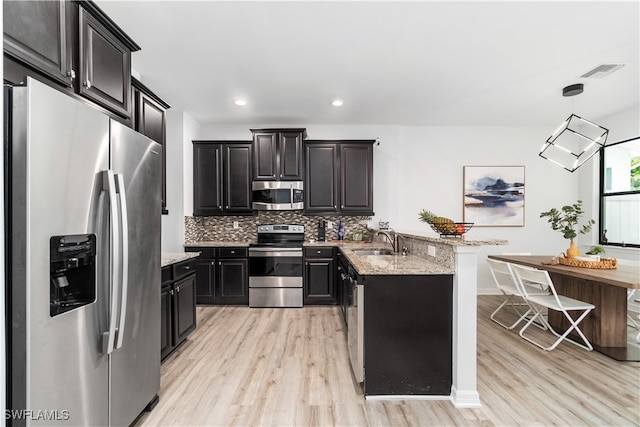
[83, 263]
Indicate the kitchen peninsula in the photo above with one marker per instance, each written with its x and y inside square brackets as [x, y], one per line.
[452, 276]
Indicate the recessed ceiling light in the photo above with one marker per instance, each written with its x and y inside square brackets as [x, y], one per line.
[240, 102]
[337, 102]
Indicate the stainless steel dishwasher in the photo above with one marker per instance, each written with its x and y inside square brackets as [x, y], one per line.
[355, 326]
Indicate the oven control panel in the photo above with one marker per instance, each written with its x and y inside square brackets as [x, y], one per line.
[281, 228]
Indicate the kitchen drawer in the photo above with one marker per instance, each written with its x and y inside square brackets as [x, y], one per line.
[183, 269]
[318, 252]
[232, 252]
[205, 253]
[166, 275]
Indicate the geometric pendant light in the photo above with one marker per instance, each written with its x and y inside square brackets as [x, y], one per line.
[576, 140]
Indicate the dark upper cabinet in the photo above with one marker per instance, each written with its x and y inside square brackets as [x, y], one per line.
[339, 177]
[321, 186]
[221, 178]
[264, 155]
[207, 179]
[38, 33]
[237, 177]
[356, 178]
[105, 65]
[149, 118]
[277, 154]
[72, 45]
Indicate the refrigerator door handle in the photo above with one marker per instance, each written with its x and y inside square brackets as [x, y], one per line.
[124, 250]
[114, 262]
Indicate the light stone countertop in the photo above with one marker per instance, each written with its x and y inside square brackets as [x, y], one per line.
[218, 244]
[395, 264]
[169, 258]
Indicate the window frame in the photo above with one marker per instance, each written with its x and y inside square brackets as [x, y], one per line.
[603, 195]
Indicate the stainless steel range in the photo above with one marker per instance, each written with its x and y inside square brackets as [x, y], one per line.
[275, 266]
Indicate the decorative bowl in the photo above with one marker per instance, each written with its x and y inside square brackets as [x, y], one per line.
[451, 229]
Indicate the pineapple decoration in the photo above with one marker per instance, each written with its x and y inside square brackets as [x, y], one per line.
[440, 224]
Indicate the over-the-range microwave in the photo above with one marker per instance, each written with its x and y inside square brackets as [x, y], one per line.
[277, 195]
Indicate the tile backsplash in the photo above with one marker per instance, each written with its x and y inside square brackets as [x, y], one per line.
[220, 228]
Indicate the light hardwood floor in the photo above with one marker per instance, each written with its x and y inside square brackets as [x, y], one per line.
[289, 367]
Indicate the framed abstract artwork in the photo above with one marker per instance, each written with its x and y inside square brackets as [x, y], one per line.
[494, 196]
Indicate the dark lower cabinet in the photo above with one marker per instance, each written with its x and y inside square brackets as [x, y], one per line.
[205, 280]
[222, 275]
[166, 321]
[185, 307]
[320, 276]
[233, 284]
[177, 305]
[407, 334]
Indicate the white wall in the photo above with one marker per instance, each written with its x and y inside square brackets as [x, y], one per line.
[181, 129]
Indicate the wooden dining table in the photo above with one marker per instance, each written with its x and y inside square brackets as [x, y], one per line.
[606, 325]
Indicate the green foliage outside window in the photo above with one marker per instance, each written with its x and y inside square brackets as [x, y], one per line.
[635, 173]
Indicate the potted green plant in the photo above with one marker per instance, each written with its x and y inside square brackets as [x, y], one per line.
[595, 250]
[566, 221]
[595, 253]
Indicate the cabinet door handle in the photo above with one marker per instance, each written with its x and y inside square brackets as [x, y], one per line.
[319, 252]
[171, 292]
[280, 175]
[227, 207]
[178, 289]
[220, 263]
[213, 263]
[71, 74]
[186, 267]
[87, 84]
[233, 252]
[341, 206]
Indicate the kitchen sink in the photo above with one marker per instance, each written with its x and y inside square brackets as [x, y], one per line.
[372, 252]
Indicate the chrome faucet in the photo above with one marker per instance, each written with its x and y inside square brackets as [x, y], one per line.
[391, 236]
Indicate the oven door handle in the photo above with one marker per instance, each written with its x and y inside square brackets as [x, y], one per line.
[268, 253]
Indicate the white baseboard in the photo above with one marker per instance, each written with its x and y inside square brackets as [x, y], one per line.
[493, 291]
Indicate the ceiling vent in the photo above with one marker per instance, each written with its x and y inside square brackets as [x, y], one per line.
[602, 70]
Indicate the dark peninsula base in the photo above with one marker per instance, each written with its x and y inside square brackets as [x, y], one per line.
[408, 335]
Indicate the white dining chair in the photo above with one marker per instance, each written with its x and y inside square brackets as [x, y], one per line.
[552, 301]
[630, 319]
[513, 298]
[637, 336]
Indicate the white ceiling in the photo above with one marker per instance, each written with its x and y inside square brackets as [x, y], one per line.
[402, 63]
